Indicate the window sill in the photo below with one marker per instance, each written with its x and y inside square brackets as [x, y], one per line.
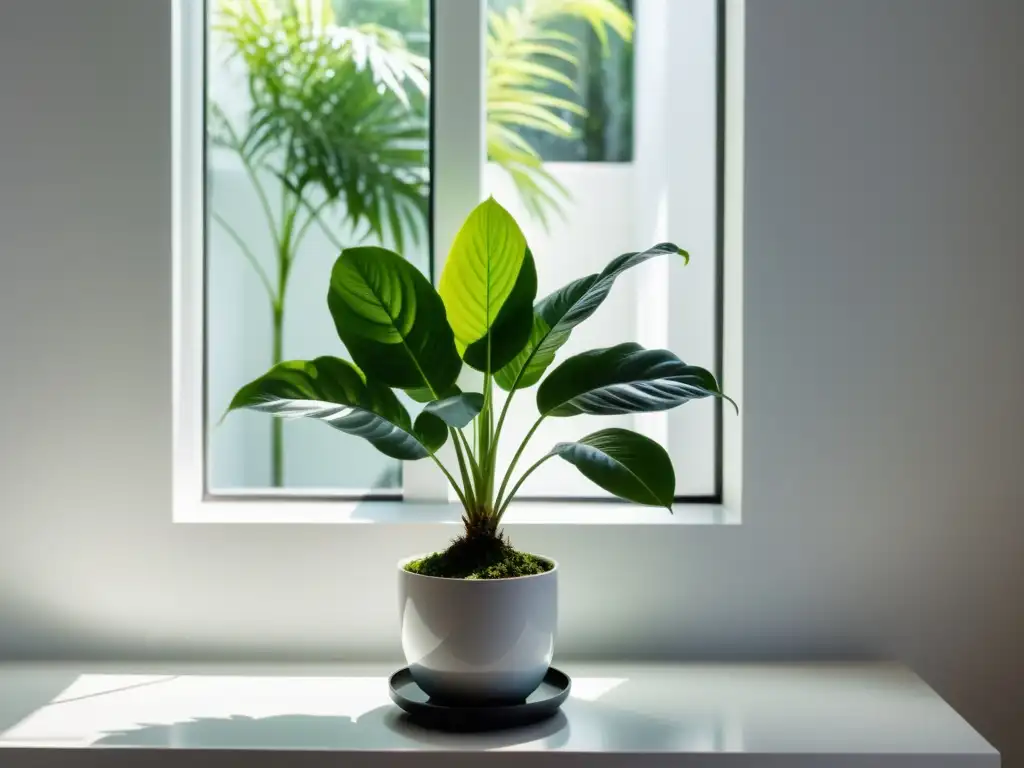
[393, 512]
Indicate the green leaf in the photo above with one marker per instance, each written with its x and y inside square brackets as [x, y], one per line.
[424, 395]
[335, 392]
[528, 71]
[458, 410]
[510, 331]
[624, 463]
[538, 362]
[430, 430]
[566, 308]
[488, 286]
[392, 321]
[625, 378]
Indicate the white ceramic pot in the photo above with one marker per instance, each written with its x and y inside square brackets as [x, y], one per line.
[480, 641]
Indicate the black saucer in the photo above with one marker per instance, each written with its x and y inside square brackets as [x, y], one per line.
[539, 705]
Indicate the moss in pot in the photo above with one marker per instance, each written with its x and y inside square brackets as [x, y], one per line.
[478, 618]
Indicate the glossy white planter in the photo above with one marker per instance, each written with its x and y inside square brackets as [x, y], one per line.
[478, 641]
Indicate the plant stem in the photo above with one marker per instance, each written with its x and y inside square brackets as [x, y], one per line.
[473, 466]
[512, 495]
[284, 262]
[276, 433]
[488, 448]
[249, 255]
[466, 483]
[455, 485]
[314, 216]
[512, 465]
[504, 408]
[260, 191]
[476, 435]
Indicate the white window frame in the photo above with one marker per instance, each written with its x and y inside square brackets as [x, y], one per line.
[457, 176]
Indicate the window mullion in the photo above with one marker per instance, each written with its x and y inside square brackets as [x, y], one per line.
[457, 164]
[187, 139]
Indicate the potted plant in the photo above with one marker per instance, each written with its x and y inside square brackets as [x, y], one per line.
[479, 618]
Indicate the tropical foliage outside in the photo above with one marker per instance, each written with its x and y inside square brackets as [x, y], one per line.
[335, 131]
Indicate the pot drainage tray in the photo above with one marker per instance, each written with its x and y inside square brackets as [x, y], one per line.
[539, 705]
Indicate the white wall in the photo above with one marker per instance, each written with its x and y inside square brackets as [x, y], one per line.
[883, 419]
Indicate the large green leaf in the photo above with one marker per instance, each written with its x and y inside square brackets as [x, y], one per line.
[536, 360]
[625, 378]
[430, 431]
[334, 391]
[622, 462]
[488, 287]
[424, 395]
[392, 321]
[458, 410]
[509, 333]
[566, 308]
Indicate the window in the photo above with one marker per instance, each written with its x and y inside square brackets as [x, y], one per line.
[317, 139]
[308, 128]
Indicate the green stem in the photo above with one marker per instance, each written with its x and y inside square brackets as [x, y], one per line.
[476, 434]
[512, 465]
[276, 300]
[276, 433]
[466, 483]
[260, 192]
[284, 262]
[455, 485]
[512, 390]
[249, 255]
[488, 448]
[504, 410]
[512, 495]
[474, 467]
[238, 146]
[314, 216]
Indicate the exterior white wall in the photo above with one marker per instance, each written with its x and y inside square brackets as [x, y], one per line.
[596, 228]
[884, 428]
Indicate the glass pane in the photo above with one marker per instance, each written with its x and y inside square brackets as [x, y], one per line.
[587, 65]
[317, 140]
[560, 87]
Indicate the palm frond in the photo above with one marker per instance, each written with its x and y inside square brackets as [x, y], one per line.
[521, 46]
[336, 112]
[601, 15]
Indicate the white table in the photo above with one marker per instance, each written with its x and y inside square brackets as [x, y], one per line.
[716, 715]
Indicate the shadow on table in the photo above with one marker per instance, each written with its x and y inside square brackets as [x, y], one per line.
[588, 726]
[380, 729]
[23, 692]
